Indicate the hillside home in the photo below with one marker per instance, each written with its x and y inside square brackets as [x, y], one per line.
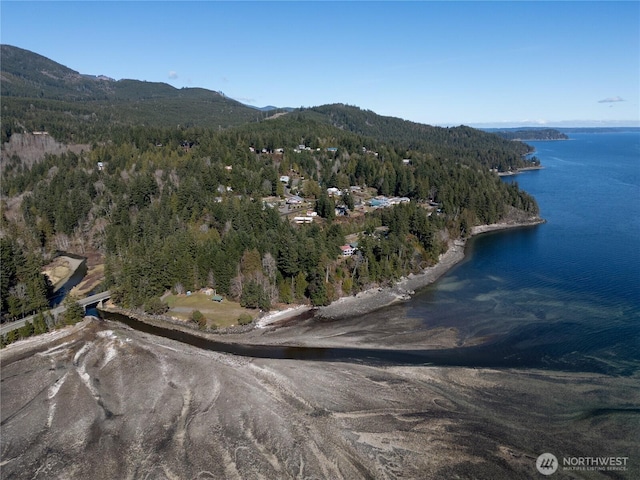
[379, 202]
[347, 250]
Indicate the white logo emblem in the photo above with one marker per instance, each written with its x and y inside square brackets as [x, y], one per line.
[547, 463]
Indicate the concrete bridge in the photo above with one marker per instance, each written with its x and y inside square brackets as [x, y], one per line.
[96, 299]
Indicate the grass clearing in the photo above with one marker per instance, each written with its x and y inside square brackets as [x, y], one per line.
[221, 314]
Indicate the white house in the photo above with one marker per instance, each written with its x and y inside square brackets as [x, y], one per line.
[284, 178]
[347, 250]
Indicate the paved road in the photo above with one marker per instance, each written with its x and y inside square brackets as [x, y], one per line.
[90, 300]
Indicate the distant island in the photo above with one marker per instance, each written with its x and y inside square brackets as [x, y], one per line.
[531, 134]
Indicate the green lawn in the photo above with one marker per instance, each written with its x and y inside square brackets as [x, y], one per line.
[220, 314]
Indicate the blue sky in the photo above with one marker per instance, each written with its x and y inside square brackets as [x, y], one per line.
[441, 63]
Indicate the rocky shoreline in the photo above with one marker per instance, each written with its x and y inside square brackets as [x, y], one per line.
[379, 297]
[511, 173]
[362, 303]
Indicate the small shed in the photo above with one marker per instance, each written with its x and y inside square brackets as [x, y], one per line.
[217, 298]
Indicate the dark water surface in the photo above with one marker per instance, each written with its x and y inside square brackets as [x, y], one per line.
[566, 292]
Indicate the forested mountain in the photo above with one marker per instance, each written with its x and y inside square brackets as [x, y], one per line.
[27, 74]
[184, 208]
[464, 144]
[41, 95]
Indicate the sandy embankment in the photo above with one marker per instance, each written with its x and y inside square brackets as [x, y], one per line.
[93, 278]
[61, 269]
[285, 314]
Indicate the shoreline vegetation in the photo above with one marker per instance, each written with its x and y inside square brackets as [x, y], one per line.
[362, 303]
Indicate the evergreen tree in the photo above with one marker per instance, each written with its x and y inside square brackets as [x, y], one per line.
[73, 313]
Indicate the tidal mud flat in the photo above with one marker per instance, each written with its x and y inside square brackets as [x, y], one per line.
[104, 401]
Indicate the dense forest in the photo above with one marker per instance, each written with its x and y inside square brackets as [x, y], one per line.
[531, 134]
[459, 144]
[182, 208]
[191, 213]
[41, 95]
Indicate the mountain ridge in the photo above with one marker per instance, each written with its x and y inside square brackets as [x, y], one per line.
[42, 95]
[38, 92]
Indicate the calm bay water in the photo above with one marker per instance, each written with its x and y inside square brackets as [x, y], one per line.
[565, 294]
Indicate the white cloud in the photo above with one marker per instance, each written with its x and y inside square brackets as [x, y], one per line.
[173, 74]
[611, 100]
